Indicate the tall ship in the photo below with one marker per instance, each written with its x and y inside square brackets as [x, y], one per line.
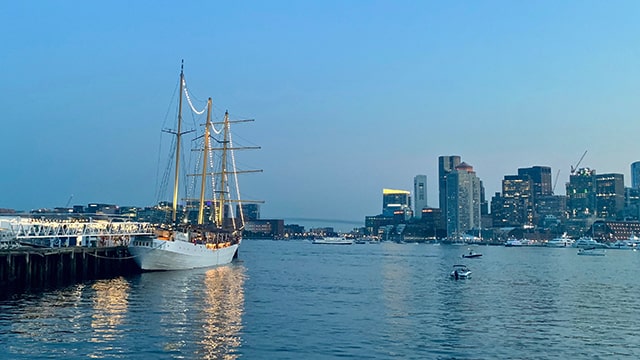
[204, 231]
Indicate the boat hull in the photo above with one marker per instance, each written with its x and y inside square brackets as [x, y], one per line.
[158, 254]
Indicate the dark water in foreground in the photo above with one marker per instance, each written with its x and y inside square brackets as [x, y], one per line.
[295, 300]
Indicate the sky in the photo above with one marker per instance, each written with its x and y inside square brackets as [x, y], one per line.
[349, 97]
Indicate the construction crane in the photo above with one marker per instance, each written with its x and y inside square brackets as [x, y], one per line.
[69, 201]
[575, 167]
[553, 190]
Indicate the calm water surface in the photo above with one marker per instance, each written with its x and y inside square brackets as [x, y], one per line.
[296, 300]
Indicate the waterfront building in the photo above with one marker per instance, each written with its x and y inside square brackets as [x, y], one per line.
[581, 193]
[95, 208]
[393, 200]
[264, 228]
[463, 200]
[293, 231]
[635, 175]
[373, 224]
[611, 231]
[551, 209]
[433, 221]
[446, 165]
[250, 211]
[420, 193]
[609, 195]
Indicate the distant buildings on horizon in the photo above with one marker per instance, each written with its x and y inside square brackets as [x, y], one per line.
[526, 204]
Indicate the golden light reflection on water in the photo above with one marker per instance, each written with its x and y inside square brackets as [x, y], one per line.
[222, 312]
[110, 305]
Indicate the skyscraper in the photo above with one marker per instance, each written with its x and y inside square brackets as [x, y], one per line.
[420, 194]
[446, 164]
[635, 175]
[463, 200]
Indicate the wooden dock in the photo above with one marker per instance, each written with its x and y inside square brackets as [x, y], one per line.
[44, 268]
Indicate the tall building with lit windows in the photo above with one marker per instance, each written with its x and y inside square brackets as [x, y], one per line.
[463, 190]
[514, 207]
[419, 194]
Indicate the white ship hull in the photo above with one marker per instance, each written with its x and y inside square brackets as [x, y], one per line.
[155, 254]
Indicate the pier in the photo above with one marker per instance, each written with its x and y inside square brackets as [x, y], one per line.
[45, 253]
[40, 268]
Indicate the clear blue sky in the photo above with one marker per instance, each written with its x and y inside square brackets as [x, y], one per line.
[349, 96]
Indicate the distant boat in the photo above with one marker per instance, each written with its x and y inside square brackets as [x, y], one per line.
[471, 254]
[591, 251]
[333, 240]
[588, 242]
[630, 244]
[513, 242]
[562, 241]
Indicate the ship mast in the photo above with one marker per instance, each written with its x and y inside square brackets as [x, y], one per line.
[178, 136]
[223, 170]
[205, 156]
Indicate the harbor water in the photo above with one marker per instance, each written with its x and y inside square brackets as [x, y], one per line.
[297, 300]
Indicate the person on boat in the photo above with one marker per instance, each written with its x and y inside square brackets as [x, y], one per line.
[455, 274]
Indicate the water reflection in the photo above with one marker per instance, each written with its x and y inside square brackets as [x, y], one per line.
[222, 312]
[32, 315]
[110, 306]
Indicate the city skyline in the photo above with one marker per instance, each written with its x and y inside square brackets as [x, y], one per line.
[348, 98]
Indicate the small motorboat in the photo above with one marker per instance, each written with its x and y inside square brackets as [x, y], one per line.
[460, 272]
[592, 251]
[471, 254]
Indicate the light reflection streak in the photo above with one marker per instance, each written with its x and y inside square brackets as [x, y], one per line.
[222, 313]
[110, 304]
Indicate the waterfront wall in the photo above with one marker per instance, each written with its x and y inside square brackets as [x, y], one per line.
[28, 268]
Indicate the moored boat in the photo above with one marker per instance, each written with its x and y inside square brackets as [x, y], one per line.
[562, 241]
[513, 242]
[213, 239]
[588, 242]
